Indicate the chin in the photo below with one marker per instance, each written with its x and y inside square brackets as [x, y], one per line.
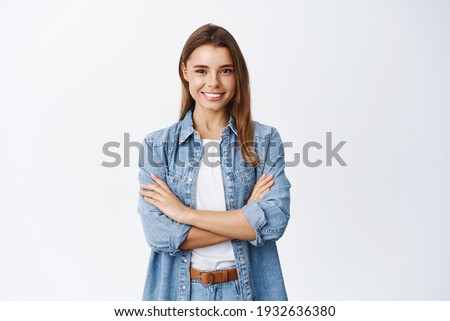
[214, 108]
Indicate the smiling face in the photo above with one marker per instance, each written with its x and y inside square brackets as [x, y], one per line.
[210, 74]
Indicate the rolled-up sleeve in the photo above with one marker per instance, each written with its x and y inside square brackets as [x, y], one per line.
[162, 233]
[269, 217]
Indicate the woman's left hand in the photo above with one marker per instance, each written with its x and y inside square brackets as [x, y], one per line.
[161, 196]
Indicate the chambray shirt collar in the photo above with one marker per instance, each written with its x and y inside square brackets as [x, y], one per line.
[187, 126]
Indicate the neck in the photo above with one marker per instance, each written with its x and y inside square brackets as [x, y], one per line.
[209, 124]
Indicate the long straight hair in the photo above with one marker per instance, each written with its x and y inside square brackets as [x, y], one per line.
[239, 106]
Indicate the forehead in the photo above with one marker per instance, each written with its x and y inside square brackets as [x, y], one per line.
[211, 56]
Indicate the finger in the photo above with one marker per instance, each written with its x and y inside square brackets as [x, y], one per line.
[264, 179]
[257, 197]
[152, 202]
[263, 185]
[260, 196]
[147, 186]
[153, 195]
[260, 182]
[157, 188]
[256, 191]
[154, 188]
[269, 184]
[149, 199]
[263, 193]
[147, 193]
[263, 182]
[161, 183]
[263, 188]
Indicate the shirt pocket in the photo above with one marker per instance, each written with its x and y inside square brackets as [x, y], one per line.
[244, 182]
[174, 181]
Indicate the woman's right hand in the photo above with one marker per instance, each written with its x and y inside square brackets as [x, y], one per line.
[261, 187]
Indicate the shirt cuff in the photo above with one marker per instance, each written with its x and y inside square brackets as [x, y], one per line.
[257, 219]
[178, 234]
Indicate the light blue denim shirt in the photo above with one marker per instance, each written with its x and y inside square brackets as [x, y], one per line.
[174, 154]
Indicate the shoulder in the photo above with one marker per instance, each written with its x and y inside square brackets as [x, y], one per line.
[164, 135]
[263, 131]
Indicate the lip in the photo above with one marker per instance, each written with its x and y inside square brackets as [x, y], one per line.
[205, 94]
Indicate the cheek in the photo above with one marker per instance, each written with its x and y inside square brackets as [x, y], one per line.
[195, 85]
[232, 89]
[231, 85]
[192, 91]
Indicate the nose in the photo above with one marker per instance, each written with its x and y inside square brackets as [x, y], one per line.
[213, 80]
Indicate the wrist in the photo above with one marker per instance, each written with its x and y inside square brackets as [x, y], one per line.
[187, 216]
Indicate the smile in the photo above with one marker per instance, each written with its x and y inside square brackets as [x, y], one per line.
[212, 96]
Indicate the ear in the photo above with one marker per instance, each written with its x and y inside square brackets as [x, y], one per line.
[184, 69]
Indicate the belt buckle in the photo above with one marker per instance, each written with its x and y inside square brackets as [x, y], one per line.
[206, 277]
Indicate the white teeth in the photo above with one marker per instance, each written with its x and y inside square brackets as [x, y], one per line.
[213, 95]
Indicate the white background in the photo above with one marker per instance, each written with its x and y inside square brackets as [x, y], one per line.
[77, 74]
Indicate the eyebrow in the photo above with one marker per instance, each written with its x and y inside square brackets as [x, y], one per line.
[206, 67]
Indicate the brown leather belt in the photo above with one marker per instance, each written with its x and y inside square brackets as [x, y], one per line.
[211, 277]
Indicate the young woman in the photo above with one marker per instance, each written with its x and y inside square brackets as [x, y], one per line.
[214, 197]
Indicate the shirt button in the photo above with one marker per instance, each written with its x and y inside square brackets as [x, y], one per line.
[183, 287]
[184, 260]
[190, 179]
[228, 177]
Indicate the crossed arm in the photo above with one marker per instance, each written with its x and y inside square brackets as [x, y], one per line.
[208, 227]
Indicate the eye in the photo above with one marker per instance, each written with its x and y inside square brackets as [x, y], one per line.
[200, 71]
[227, 71]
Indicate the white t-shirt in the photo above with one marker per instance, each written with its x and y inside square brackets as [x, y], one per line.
[210, 196]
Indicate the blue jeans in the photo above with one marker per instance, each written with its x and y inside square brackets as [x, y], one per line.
[227, 291]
